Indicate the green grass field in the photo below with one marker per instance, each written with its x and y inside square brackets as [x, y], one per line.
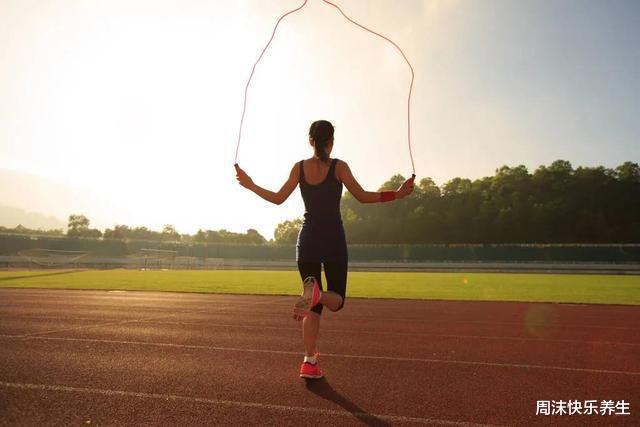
[570, 288]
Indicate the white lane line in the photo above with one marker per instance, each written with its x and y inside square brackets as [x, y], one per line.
[521, 323]
[409, 334]
[330, 330]
[77, 328]
[12, 317]
[343, 317]
[165, 397]
[231, 309]
[120, 322]
[346, 356]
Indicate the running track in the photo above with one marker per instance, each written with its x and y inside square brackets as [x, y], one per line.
[105, 358]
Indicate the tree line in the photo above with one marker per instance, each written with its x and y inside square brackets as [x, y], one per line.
[79, 227]
[554, 204]
[169, 233]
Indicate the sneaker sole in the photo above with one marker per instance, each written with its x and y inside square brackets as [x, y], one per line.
[303, 305]
[311, 377]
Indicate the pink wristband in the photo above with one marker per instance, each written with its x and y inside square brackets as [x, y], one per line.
[387, 196]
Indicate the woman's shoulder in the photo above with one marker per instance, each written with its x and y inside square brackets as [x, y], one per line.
[295, 169]
[341, 164]
[341, 170]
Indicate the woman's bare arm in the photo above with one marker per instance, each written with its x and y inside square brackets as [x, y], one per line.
[277, 198]
[345, 175]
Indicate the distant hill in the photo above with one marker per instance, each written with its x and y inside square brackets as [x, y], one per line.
[35, 201]
[35, 193]
[11, 217]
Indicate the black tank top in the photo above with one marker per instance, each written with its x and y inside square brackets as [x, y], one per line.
[321, 201]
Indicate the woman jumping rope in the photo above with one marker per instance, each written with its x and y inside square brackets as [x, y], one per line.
[321, 240]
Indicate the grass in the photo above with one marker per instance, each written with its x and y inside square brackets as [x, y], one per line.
[568, 288]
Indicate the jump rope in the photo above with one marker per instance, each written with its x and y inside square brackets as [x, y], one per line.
[246, 88]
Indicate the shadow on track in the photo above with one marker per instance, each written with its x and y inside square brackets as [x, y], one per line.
[27, 276]
[323, 389]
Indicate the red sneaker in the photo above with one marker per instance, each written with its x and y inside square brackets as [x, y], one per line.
[310, 297]
[308, 370]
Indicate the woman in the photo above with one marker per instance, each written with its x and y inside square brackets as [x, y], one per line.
[321, 239]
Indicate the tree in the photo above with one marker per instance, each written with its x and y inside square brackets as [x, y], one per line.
[120, 232]
[428, 188]
[200, 236]
[456, 186]
[254, 237]
[287, 232]
[628, 172]
[393, 183]
[78, 225]
[169, 233]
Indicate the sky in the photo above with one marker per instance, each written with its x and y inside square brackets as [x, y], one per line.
[129, 110]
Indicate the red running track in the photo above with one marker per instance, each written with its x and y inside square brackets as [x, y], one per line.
[95, 357]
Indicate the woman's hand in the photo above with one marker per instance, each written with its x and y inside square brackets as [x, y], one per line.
[243, 179]
[406, 188]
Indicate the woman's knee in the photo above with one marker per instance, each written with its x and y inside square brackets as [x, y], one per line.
[339, 307]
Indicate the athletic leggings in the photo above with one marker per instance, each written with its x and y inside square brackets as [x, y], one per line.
[335, 272]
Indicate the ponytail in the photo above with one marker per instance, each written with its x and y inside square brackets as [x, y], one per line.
[321, 131]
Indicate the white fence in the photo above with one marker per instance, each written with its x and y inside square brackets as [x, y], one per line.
[192, 263]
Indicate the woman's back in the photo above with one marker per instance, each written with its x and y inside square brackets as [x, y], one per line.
[315, 170]
[321, 191]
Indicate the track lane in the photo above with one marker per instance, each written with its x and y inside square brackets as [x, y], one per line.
[440, 392]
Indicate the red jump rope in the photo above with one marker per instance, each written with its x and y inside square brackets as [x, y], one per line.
[246, 88]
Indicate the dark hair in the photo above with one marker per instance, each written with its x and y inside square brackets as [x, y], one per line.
[321, 131]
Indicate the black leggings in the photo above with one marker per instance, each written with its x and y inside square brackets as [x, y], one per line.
[336, 274]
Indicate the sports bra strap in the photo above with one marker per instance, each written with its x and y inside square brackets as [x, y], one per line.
[332, 169]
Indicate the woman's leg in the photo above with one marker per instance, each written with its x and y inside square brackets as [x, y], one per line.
[336, 274]
[310, 331]
[331, 300]
[311, 322]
